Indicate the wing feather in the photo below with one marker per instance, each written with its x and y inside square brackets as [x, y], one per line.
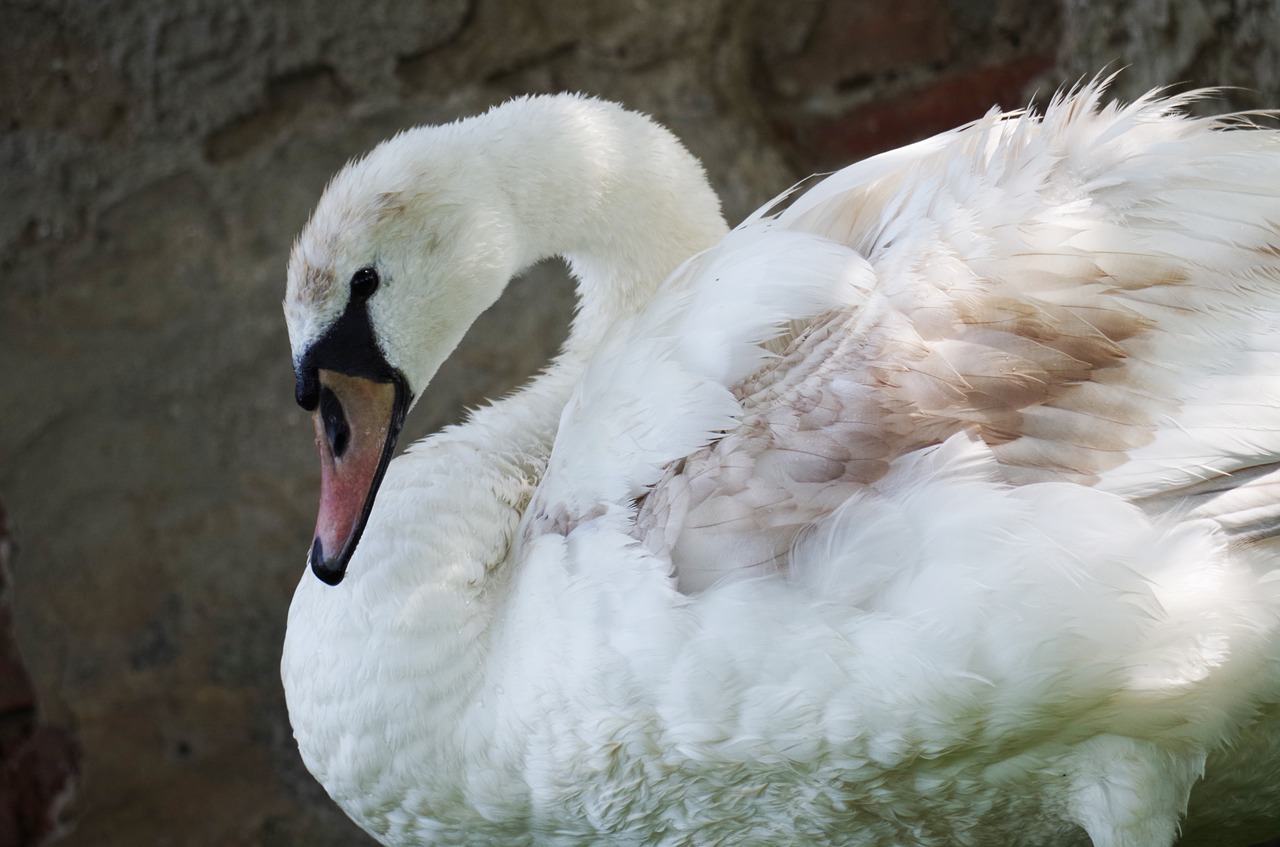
[1094, 293]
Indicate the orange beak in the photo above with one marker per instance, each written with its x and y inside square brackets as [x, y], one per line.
[357, 423]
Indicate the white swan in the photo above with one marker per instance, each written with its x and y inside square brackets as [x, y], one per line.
[981, 552]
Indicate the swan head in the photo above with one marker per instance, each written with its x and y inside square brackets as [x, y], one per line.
[406, 247]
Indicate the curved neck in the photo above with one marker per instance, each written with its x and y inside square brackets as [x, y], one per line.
[625, 204]
[608, 190]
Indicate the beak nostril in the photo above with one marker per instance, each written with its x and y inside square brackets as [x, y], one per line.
[336, 429]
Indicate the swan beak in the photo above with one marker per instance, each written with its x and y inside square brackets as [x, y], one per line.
[357, 422]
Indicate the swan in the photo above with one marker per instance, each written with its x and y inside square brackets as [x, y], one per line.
[935, 503]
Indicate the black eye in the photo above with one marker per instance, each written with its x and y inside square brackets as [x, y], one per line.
[363, 283]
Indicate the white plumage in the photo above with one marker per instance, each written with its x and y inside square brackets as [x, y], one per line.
[932, 505]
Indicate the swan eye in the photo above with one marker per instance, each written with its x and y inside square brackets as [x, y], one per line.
[363, 283]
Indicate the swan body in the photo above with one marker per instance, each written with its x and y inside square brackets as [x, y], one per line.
[932, 505]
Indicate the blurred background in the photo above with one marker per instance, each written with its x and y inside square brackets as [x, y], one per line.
[157, 157]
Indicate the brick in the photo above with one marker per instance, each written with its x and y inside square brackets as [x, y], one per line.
[829, 142]
[861, 38]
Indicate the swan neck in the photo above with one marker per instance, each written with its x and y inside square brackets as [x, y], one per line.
[610, 191]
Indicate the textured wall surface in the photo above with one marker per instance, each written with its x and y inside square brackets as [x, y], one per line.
[156, 160]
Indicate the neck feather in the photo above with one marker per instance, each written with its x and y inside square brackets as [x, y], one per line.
[608, 190]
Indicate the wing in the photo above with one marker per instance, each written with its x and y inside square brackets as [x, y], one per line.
[1094, 293]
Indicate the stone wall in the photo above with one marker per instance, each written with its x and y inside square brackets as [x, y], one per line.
[156, 161]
